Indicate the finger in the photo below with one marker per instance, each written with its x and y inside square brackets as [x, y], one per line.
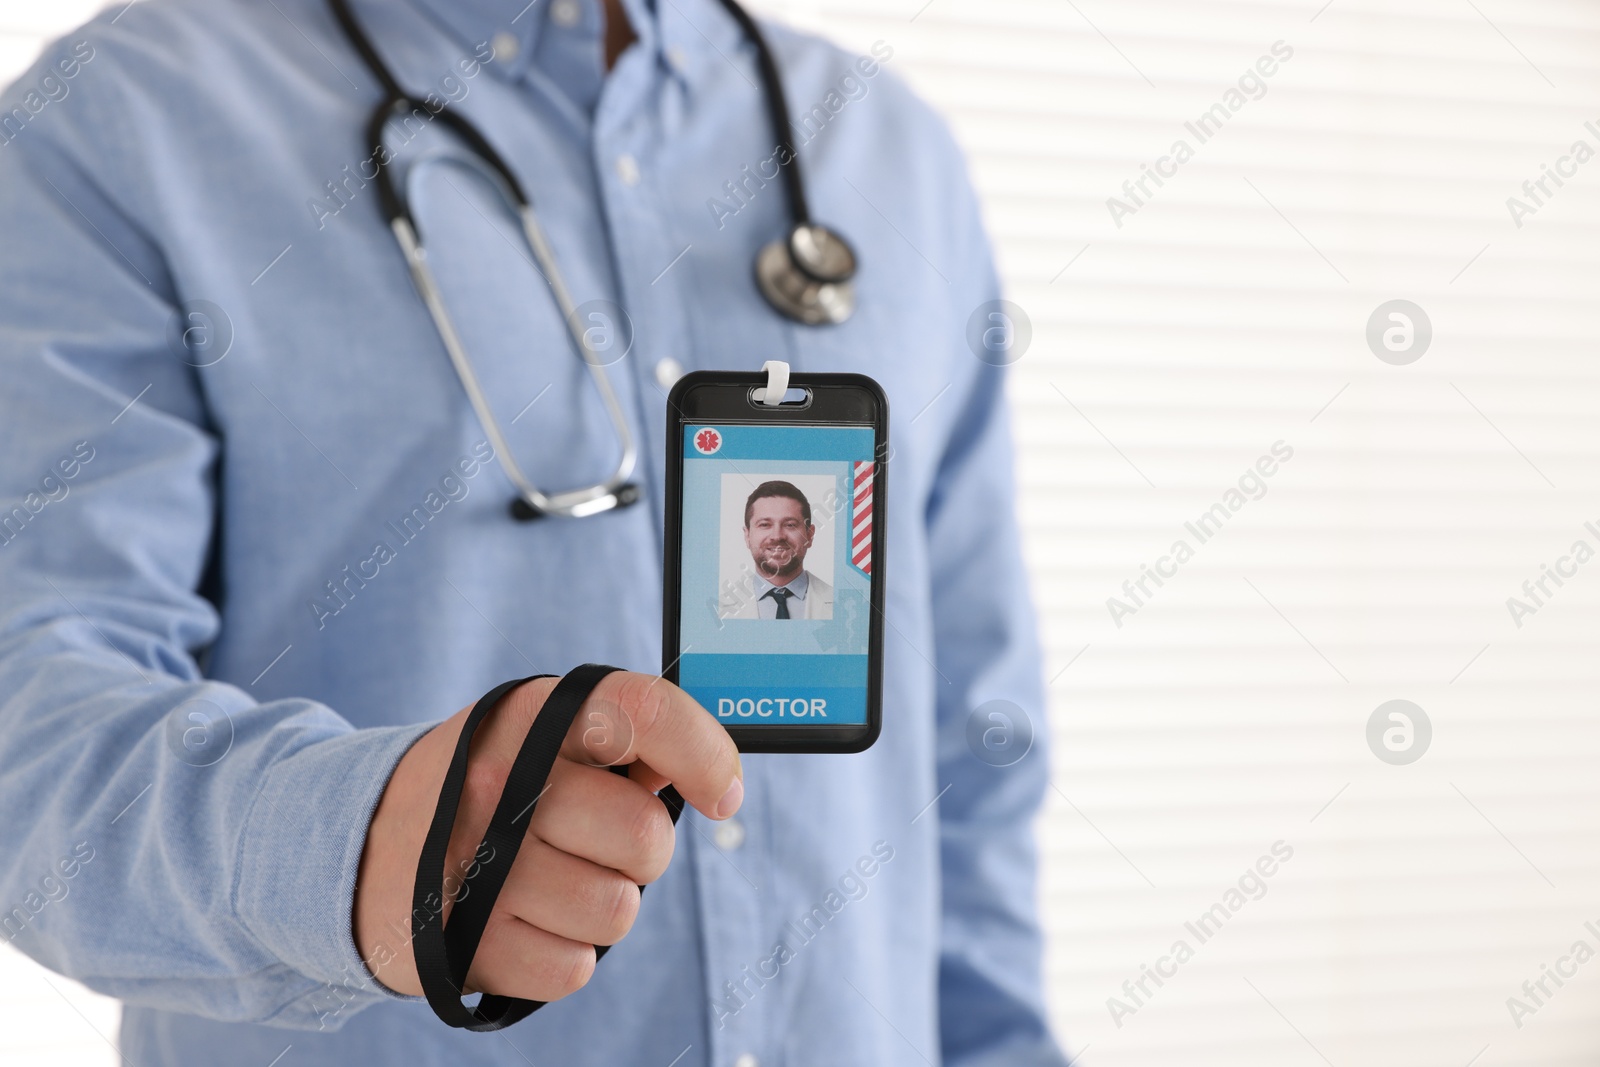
[647, 776]
[568, 896]
[517, 959]
[606, 819]
[651, 719]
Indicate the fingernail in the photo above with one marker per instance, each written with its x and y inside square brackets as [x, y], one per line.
[731, 799]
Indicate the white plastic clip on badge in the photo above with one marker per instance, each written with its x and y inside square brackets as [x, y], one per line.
[777, 383]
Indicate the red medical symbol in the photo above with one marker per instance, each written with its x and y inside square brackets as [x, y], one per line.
[707, 441]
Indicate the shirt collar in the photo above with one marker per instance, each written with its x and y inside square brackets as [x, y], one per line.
[799, 587]
[683, 36]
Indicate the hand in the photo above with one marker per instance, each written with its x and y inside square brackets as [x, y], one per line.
[594, 837]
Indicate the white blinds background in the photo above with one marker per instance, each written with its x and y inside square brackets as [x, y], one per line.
[1228, 313]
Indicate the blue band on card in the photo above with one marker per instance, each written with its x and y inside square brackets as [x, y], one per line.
[770, 689]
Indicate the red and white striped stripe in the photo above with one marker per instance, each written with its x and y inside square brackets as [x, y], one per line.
[861, 518]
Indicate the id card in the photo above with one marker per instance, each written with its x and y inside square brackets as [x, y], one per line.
[775, 532]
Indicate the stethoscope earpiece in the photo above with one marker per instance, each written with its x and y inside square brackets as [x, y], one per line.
[808, 276]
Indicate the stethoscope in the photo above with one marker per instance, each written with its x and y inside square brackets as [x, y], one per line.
[805, 275]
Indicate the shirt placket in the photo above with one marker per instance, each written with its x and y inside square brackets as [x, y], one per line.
[726, 856]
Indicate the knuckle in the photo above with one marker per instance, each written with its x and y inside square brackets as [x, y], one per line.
[572, 971]
[623, 911]
[521, 706]
[607, 732]
[606, 905]
[651, 838]
[486, 778]
[646, 699]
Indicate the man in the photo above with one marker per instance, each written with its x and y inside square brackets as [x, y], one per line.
[266, 552]
[778, 532]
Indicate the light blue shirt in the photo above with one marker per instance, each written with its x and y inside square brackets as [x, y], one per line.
[767, 604]
[232, 594]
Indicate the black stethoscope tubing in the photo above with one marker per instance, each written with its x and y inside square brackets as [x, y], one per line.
[806, 276]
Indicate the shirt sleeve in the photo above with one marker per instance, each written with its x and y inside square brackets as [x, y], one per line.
[991, 711]
[167, 839]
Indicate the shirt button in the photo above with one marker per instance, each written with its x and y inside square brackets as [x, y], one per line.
[729, 835]
[505, 46]
[628, 169]
[746, 1060]
[677, 57]
[668, 371]
[566, 13]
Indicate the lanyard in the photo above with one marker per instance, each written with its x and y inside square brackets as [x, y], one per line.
[444, 953]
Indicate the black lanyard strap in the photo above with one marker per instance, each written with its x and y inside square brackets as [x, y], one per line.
[443, 953]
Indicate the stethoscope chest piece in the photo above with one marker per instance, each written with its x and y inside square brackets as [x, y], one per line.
[808, 276]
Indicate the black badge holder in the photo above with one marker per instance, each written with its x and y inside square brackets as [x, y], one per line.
[758, 398]
[444, 953]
